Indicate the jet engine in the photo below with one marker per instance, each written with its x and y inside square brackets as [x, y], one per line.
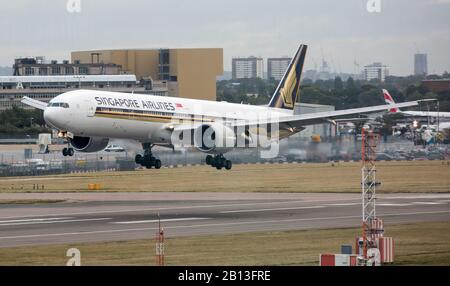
[88, 144]
[214, 138]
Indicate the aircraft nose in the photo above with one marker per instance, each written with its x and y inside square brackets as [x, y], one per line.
[51, 117]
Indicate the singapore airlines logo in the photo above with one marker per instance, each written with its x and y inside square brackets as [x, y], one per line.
[288, 91]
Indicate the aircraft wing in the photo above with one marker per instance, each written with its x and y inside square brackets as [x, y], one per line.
[319, 117]
[34, 103]
[354, 119]
[297, 121]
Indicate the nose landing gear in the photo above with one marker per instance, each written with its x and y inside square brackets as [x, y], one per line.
[218, 162]
[147, 160]
[68, 151]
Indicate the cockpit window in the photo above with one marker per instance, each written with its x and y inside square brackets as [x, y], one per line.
[58, 104]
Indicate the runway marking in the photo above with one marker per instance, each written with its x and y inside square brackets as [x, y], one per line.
[275, 209]
[34, 219]
[163, 220]
[205, 225]
[393, 205]
[173, 208]
[442, 196]
[342, 205]
[427, 203]
[54, 221]
[409, 204]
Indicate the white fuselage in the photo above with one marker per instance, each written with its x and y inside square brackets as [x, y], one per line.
[146, 118]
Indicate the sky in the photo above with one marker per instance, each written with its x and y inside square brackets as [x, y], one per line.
[342, 32]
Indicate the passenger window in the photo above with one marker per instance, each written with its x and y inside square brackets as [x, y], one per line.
[58, 104]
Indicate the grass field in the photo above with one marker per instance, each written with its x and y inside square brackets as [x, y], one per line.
[414, 176]
[415, 244]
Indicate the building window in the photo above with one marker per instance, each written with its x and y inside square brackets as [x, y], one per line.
[83, 70]
[43, 71]
[164, 64]
[56, 70]
[29, 71]
[68, 70]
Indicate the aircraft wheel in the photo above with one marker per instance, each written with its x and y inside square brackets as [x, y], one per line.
[70, 152]
[209, 160]
[138, 159]
[228, 164]
[157, 164]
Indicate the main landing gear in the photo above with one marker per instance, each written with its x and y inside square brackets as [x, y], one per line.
[218, 162]
[68, 151]
[147, 160]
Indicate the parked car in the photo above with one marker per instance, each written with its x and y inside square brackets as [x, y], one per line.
[114, 148]
[384, 157]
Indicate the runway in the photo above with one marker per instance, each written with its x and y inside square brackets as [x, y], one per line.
[127, 216]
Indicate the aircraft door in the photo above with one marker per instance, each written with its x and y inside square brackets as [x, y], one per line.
[90, 108]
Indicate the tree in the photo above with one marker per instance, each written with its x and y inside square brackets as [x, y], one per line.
[338, 85]
[350, 84]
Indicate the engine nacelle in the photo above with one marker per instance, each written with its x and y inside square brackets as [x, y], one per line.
[214, 138]
[88, 144]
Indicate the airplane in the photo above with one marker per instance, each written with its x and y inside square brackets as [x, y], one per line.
[89, 118]
[389, 100]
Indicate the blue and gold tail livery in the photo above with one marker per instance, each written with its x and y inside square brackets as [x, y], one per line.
[288, 89]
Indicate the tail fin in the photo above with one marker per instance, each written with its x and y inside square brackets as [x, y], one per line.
[288, 89]
[389, 100]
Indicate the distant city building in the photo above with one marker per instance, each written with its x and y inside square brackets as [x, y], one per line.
[376, 71]
[226, 76]
[276, 67]
[251, 67]
[38, 66]
[325, 71]
[6, 71]
[437, 85]
[188, 73]
[420, 64]
[310, 74]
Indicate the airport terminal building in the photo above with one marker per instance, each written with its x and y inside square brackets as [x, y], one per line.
[44, 88]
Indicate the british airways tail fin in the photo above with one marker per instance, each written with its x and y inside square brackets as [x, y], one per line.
[287, 92]
[389, 100]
